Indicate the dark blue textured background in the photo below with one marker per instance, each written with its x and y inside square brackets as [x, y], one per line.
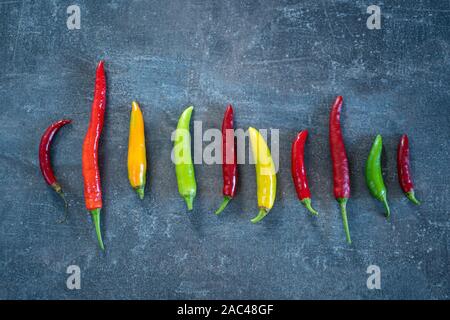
[280, 63]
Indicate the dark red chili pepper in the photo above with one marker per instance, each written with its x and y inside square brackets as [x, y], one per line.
[404, 170]
[229, 159]
[45, 161]
[91, 172]
[299, 171]
[341, 177]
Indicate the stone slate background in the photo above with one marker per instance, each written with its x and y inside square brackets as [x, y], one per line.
[280, 63]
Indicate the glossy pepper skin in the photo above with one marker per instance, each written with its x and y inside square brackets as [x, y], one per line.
[91, 173]
[374, 177]
[229, 159]
[45, 161]
[404, 169]
[341, 176]
[299, 170]
[137, 158]
[184, 168]
[266, 179]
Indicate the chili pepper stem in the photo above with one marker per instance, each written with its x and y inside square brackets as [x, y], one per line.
[59, 191]
[307, 203]
[223, 205]
[96, 218]
[343, 206]
[189, 202]
[386, 206]
[261, 214]
[410, 195]
[140, 192]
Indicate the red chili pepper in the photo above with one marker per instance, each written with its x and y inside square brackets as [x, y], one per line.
[299, 171]
[341, 175]
[45, 161]
[91, 173]
[404, 170]
[229, 159]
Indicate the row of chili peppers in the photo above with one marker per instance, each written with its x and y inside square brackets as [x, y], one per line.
[266, 179]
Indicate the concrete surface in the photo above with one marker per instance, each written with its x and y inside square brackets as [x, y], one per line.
[280, 63]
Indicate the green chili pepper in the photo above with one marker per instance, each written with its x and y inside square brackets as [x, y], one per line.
[184, 168]
[374, 177]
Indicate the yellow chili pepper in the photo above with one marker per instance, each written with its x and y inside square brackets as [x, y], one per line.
[137, 160]
[266, 179]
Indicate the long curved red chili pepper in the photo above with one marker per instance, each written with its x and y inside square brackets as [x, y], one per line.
[404, 169]
[341, 176]
[299, 171]
[91, 173]
[45, 161]
[229, 159]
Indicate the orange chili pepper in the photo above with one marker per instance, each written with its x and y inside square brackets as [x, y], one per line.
[137, 158]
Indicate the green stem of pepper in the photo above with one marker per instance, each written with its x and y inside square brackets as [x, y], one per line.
[307, 203]
[66, 205]
[410, 195]
[386, 206]
[261, 214]
[223, 205]
[343, 205]
[140, 191]
[96, 218]
[189, 202]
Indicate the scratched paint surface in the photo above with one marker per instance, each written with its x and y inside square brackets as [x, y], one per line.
[280, 63]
